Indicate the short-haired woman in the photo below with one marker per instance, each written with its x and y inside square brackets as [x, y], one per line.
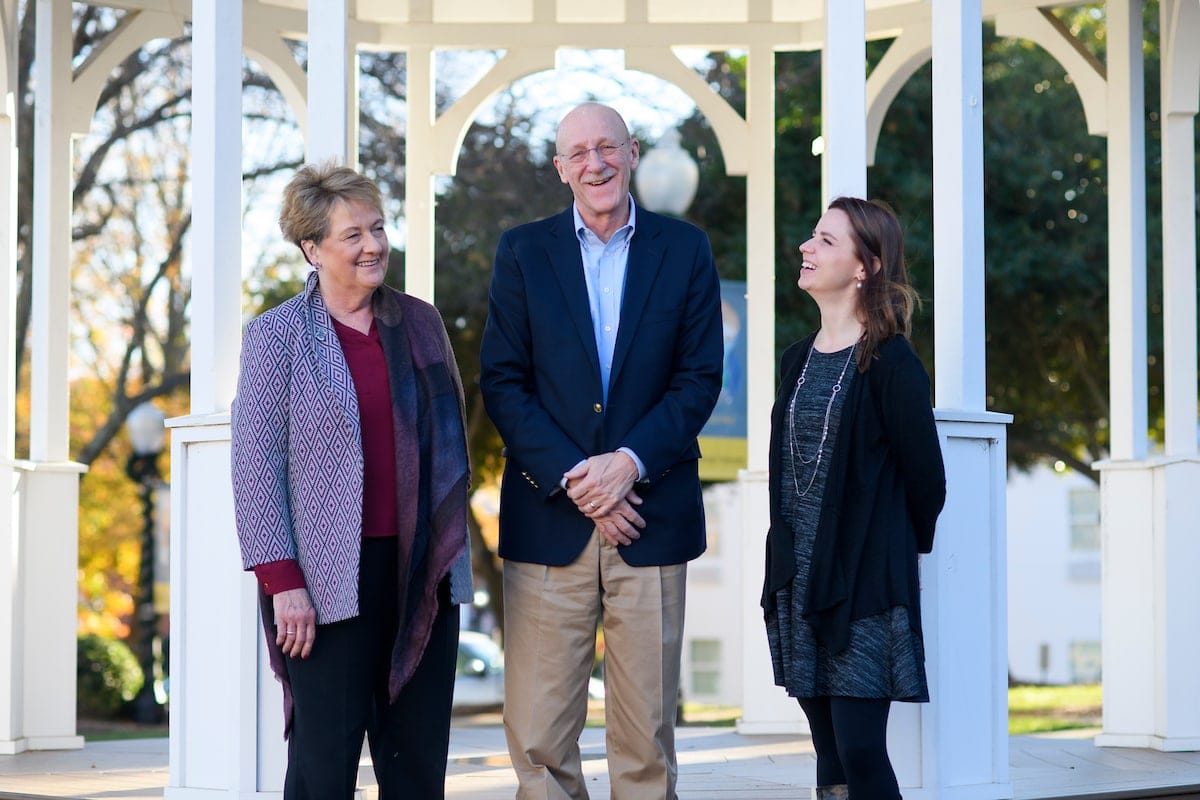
[350, 481]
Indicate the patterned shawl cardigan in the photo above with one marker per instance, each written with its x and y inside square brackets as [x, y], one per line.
[298, 465]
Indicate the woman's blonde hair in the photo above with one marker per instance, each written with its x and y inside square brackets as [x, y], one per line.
[311, 194]
[886, 299]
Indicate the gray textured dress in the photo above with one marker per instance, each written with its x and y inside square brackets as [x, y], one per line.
[885, 656]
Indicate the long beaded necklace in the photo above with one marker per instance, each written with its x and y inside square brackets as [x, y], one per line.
[792, 444]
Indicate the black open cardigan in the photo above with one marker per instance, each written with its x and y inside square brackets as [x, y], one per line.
[885, 489]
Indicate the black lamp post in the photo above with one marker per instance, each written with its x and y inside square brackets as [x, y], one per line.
[146, 434]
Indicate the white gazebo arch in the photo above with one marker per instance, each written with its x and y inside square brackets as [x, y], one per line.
[955, 747]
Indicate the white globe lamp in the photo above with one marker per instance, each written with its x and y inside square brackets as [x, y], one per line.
[666, 177]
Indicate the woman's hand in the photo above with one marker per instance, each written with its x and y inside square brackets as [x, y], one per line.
[295, 622]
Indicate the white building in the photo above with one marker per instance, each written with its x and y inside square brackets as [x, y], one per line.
[712, 631]
[1053, 577]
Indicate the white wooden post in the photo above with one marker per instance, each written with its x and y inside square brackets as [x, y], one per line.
[10, 673]
[957, 745]
[332, 85]
[37, 501]
[45, 490]
[1180, 26]
[844, 100]
[1149, 506]
[216, 198]
[226, 709]
[766, 708]
[1127, 563]
[48, 427]
[958, 204]
[418, 186]
[1126, 232]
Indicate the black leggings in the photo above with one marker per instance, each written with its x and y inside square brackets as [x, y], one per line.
[341, 692]
[850, 737]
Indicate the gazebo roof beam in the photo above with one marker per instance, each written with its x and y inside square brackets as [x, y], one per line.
[794, 25]
[610, 36]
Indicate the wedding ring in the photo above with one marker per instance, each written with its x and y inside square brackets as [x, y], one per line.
[592, 505]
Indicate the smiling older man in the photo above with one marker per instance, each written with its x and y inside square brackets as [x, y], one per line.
[601, 362]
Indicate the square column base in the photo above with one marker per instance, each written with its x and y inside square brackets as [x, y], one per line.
[38, 616]
[1150, 556]
[1142, 742]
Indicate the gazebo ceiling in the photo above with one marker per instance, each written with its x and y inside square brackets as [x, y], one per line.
[508, 24]
[656, 11]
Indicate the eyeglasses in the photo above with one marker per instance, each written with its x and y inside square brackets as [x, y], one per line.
[605, 151]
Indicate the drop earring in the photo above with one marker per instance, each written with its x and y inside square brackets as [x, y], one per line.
[858, 285]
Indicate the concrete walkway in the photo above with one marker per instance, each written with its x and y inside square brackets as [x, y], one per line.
[714, 764]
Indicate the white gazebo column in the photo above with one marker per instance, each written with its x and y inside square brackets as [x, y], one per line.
[844, 100]
[10, 648]
[766, 708]
[419, 175]
[332, 85]
[226, 723]
[1149, 506]
[1180, 24]
[1126, 485]
[45, 519]
[957, 745]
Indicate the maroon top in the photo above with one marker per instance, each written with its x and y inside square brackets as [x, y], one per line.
[368, 368]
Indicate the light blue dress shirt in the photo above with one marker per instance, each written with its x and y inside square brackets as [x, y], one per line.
[604, 265]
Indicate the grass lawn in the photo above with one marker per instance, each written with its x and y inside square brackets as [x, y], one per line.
[1031, 709]
[107, 730]
[1039, 709]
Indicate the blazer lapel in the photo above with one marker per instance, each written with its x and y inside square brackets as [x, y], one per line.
[326, 351]
[562, 250]
[646, 252]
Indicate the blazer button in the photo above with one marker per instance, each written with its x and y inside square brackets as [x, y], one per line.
[597, 408]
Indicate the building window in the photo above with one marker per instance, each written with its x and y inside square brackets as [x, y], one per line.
[1085, 519]
[706, 667]
[1085, 662]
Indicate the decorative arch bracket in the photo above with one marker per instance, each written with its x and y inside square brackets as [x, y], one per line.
[1087, 73]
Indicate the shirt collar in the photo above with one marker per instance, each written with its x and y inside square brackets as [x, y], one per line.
[581, 230]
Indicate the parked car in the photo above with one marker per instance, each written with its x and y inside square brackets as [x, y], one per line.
[479, 673]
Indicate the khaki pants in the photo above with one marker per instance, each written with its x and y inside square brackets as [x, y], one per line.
[550, 617]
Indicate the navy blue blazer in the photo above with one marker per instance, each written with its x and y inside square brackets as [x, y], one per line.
[540, 375]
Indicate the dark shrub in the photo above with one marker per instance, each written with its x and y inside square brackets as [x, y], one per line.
[108, 677]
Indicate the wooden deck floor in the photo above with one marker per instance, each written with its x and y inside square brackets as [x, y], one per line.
[714, 764]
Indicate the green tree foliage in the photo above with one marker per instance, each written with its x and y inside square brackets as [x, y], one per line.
[1046, 230]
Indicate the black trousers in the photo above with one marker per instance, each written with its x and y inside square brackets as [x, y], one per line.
[340, 695]
[850, 737]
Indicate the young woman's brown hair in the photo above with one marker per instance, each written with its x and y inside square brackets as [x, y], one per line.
[886, 299]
